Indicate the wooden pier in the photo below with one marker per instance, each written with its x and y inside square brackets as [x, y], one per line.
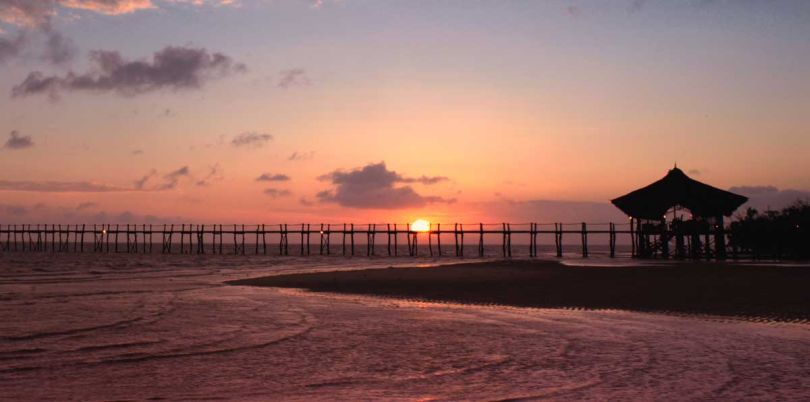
[256, 239]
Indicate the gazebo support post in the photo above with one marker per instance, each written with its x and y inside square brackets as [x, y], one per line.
[719, 239]
[664, 239]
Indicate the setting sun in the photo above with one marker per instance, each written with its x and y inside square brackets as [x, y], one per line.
[420, 225]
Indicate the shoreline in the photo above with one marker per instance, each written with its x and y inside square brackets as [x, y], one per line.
[706, 288]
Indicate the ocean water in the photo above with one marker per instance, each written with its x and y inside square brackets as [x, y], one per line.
[154, 327]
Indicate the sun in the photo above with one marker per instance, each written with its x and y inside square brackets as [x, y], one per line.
[420, 225]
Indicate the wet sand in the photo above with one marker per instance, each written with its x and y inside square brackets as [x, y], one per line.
[727, 289]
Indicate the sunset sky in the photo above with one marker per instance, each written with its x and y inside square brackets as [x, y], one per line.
[289, 111]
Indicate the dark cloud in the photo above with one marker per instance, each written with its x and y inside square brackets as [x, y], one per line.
[141, 183]
[273, 177]
[214, 174]
[293, 78]
[153, 182]
[14, 210]
[17, 141]
[137, 152]
[251, 139]
[694, 172]
[86, 205]
[171, 179]
[275, 193]
[58, 186]
[374, 186]
[573, 11]
[12, 46]
[173, 68]
[636, 5]
[300, 156]
[59, 49]
[769, 197]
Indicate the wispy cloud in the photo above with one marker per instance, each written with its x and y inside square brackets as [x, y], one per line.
[12, 46]
[275, 193]
[273, 177]
[171, 179]
[214, 174]
[295, 77]
[58, 186]
[17, 141]
[173, 68]
[301, 156]
[34, 13]
[251, 139]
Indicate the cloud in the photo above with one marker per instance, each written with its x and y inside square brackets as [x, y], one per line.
[273, 177]
[293, 78]
[301, 156]
[573, 11]
[694, 172]
[58, 186]
[35, 13]
[12, 46]
[636, 5]
[17, 141]
[214, 174]
[173, 67]
[374, 187]
[769, 197]
[86, 205]
[171, 179]
[137, 152]
[14, 210]
[141, 183]
[275, 193]
[59, 49]
[251, 139]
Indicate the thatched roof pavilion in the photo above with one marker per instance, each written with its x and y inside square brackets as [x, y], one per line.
[677, 189]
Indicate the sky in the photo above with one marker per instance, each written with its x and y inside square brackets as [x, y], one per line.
[251, 111]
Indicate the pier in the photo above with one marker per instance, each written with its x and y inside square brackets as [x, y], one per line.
[348, 239]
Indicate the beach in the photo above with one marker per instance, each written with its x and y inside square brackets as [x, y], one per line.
[729, 289]
[97, 327]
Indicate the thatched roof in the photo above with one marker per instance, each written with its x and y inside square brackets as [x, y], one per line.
[676, 188]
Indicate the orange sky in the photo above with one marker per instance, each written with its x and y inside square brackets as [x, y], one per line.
[502, 104]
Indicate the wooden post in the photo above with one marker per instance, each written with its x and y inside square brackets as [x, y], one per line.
[352, 238]
[439, 238]
[612, 240]
[481, 239]
[430, 241]
[410, 247]
[388, 238]
[242, 233]
[584, 240]
[455, 238]
[396, 241]
[344, 239]
[264, 240]
[558, 232]
[504, 239]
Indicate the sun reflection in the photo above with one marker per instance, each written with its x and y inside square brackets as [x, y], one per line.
[420, 225]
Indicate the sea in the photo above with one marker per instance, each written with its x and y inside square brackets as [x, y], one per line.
[133, 327]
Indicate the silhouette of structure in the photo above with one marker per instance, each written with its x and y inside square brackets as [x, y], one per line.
[707, 205]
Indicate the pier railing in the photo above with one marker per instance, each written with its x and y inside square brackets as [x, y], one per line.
[347, 239]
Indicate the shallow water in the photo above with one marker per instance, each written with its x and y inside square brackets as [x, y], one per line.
[133, 327]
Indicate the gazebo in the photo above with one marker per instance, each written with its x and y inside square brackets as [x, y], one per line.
[675, 190]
